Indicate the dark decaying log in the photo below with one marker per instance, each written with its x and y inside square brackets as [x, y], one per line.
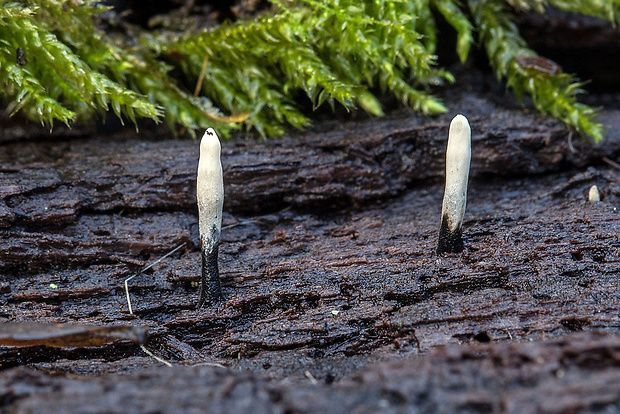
[351, 165]
[578, 373]
[327, 264]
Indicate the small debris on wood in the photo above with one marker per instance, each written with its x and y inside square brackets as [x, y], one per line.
[593, 195]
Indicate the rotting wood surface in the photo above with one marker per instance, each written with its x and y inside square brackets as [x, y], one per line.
[577, 373]
[327, 265]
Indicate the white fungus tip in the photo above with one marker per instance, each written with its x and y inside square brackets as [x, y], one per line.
[210, 132]
[594, 195]
[210, 144]
[459, 123]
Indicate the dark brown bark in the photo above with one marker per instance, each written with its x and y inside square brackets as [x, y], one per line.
[577, 373]
[327, 264]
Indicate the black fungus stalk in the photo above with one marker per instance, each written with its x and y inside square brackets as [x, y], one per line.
[210, 195]
[458, 157]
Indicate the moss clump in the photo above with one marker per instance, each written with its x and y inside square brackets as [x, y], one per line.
[333, 51]
[64, 70]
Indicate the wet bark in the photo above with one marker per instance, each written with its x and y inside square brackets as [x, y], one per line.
[577, 373]
[327, 264]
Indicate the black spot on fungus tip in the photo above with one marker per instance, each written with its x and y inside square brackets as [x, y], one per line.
[449, 242]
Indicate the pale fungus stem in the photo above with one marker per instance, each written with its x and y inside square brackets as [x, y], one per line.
[210, 195]
[458, 158]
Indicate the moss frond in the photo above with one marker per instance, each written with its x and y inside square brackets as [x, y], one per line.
[424, 23]
[52, 80]
[603, 9]
[450, 11]
[551, 93]
[15, 10]
[527, 5]
[329, 50]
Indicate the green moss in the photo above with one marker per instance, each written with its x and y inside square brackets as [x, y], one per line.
[56, 79]
[334, 51]
[552, 93]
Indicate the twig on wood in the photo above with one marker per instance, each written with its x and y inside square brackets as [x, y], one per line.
[209, 364]
[241, 223]
[610, 162]
[311, 377]
[144, 269]
[152, 355]
[505, 327]
[255, 221]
